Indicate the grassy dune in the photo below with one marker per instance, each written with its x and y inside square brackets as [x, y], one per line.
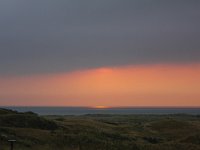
[99, 132]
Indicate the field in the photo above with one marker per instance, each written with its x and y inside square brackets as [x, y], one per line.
[99, 132]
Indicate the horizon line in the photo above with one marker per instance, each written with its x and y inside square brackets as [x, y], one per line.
[103, 106]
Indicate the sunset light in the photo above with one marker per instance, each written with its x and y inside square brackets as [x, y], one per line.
[100, 74]
[137, 85]
[101, 107]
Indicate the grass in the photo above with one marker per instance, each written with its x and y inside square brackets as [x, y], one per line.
[99, 132]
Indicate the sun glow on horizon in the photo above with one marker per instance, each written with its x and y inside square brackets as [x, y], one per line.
[152, 85]
[101, 107]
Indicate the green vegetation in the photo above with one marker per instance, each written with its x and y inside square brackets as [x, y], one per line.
[99, 132]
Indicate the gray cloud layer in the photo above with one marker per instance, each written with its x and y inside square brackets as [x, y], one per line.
[40, 36]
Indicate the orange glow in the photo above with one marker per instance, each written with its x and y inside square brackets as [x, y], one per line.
[101, 107]
[151, 85]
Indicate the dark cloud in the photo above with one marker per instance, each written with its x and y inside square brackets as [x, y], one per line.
[41, 36]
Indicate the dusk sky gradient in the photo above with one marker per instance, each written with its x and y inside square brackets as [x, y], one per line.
[100, 52]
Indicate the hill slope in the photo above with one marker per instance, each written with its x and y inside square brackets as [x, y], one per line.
[100, 132]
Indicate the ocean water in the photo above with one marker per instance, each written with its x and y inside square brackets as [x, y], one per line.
[88, 110]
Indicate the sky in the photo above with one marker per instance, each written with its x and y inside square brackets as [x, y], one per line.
[108, 52]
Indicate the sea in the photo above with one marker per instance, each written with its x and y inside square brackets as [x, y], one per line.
[112, 110]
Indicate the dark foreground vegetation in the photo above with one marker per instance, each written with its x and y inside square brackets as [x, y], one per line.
[99, 132]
